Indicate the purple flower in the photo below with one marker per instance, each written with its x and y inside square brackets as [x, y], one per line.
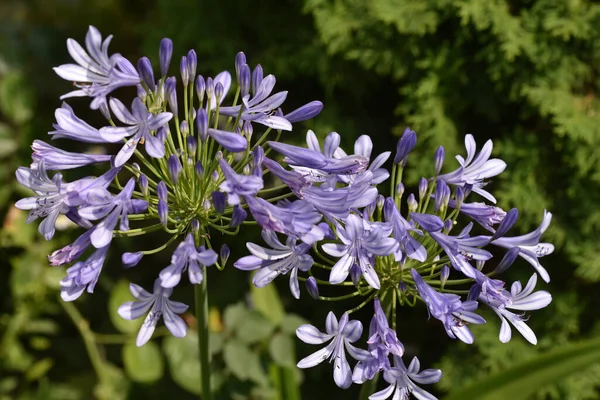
[519, 298]
[140, 122]
[96, 74]
[307, 111]
[361, 240]
[530, 247]
[405, 145]
[72, 251]
[69, 126]
[341, 336]
[280, 260]
[260, 107]
[382, 341]
[187, 256]
[401, 381]
[484, 215]
[401, 232]
[298, 219]
[363, 148]
[231, 141]
[159, 305]
[474, 170]
[448, 308]
[83, 275]
[102, 204]
[57, 159]
[237, 185]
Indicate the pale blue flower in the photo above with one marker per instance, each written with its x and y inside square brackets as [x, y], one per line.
[187, 256]
[401, 382]
[237, 185]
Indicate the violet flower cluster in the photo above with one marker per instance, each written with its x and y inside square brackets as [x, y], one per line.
[195, 170]
[186, 155]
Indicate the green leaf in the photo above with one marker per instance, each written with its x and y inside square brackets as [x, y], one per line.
[8, 144]
[266, 301]
[143, 364]
[39, 369]
[184, 363]
[291, 322]
[281, 349]
[119, 295]
[243, 363]
[16, 98]
[254, 328]
[524, 379]
[234, 315]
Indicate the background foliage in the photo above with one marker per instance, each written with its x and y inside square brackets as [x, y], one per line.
[523, 73]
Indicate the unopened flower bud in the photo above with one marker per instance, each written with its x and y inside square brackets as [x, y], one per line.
[402, 287]
[247, 130]
[141, 93]
[422, 188]
[244, 79]
[240, 60]
[329, 235]
[206, 205]
[312, 288]
[305, 112]
[246, 169]
[219, 155]
[214, 176]
[224, 254]
[355, 274]
[508, 259]
[192, 62]
[444, 275]
[507, 222]
[174, 166]
[442, 196]
[448, 225]
[192, 145]
[161, 134]
[146, 73]
[200, 88]
[199, 168]
[439, 160]
[380, 201]
[131, 259]
[219, 92]
[239, 215]
[195, 225]
[171, 93]
[165, 51]
[161, 191]
[163, 212]
[184, 128]
[219, 199]
[202, 124]
[143, 183]
[459, 196]
[257, 77]
[183, 69]
[412, 203]
[405, 145]
[210, 87]
[400, 190]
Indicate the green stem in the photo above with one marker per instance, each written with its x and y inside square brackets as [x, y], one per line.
[201, 295]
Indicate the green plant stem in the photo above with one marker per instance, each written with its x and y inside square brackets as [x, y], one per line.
[201, 295]
[88, 339]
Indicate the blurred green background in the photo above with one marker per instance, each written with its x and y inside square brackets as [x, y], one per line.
[523, 73]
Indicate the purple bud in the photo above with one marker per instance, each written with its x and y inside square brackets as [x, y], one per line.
[439, 160]
[195, 225]
[244, 79]
[192, 62]
[143, 182]
[257, 77]
[161, 190]
[239, 215]
[219, 155]
[165, 51]
[171, 93]
[192, 145]
[184, 128]
[131, 259]
[329, 235]
[214, 176]
[183, 69]
[246, 169]
[219, 92]
[174, 168]
[206, 205]
[247, 130]
[368, 211]
[210, 87]
[224, 254]
[442, 196]
[240, 61]
[507, 223]
[402, 287]
[200, 87]
[508, 259]
[412, 203]
[459, 195]
[380, 201]
[355, 274]
[422, 188]
[145, 70]
[400, 190]
[105, 111]
[444, 275]
[199, 168]
[448, 224]
[141, 93]
[202, 124]
[305, 112]
[163, 212]
[219, 199]
[312, 288]
[405, 145]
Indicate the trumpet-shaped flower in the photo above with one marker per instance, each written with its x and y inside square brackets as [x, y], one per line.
[401, 380]
[187, 256]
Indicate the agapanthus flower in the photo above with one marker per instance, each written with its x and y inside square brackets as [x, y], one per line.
[401, 380]
[485, 215]
[361, 241]
[236, 185]
[449, 309]
[159, 305]
[69, 126]
[96, 74]
[187, 256]
[407, 244]
[342, 335]
[364, 147]
[530, 247]
[475, 169]
[83, 275]
[57, 159]
[279, 260]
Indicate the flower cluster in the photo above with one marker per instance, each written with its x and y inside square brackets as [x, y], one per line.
[196, 170]
[185, 168]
